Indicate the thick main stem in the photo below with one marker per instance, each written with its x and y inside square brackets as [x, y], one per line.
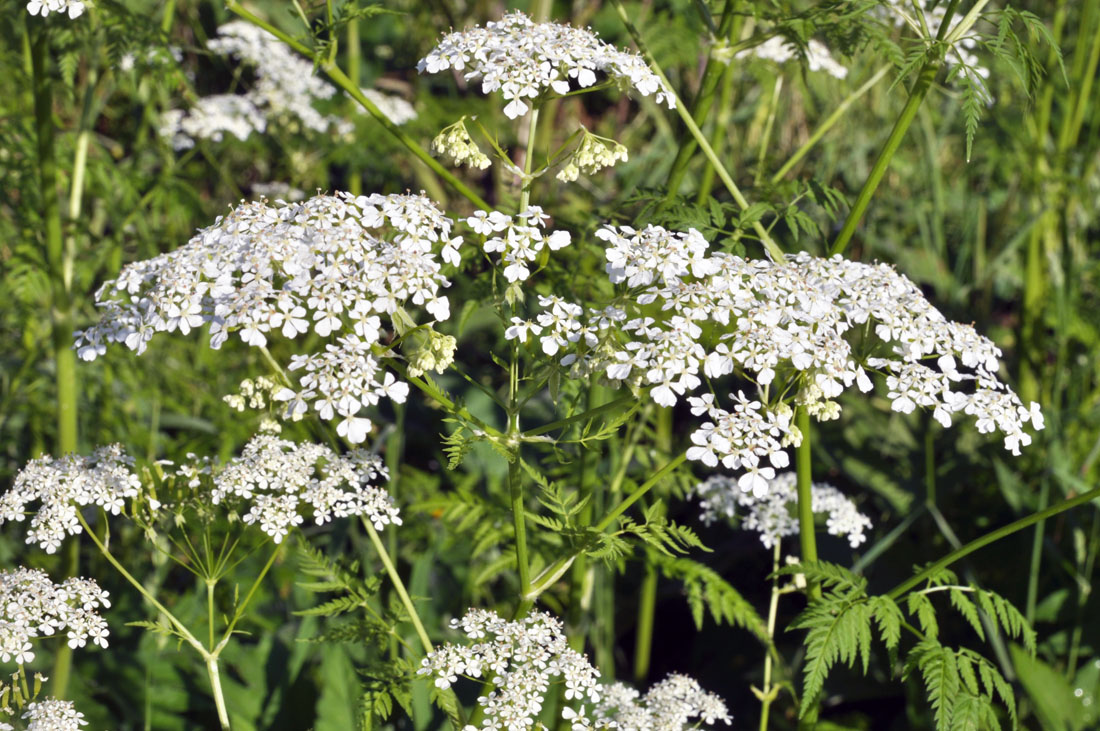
[807, 538]
[216, 687]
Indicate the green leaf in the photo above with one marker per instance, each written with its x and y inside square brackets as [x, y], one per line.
[1055, 704]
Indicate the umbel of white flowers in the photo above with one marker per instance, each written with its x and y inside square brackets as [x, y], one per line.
[524, 60]
[49, 714]
[32, 606]
[285, 92]
[681, 313]
[523, 658]
[334, 265]
[772, 515]
[277, 484]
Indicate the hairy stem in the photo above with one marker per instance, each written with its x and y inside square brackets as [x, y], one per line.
[767, 693]
[398, 585]
[216, 686]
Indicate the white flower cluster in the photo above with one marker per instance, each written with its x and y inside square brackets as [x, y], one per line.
[772, 513]
[393, 108]
[521, 658]
[593, 154]
[285, 92]
[780, 50]
[212, 118]
[50, 714]
[32, 606]
[524, 657]
[671, 705]
[682, 314]
[455, 142]
[63, 486]
[74, 8]
[280, 480]
[525, 60]
[333, 265]
[521, 239]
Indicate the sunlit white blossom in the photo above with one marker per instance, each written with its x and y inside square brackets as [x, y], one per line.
[683, 314]
[60, 487]
[524, 60]
[780, 50]
[32, 606]
[772, 513]
[72, 8]
[280, 483]
[524, 658]
[393, 108]
[520, 239]
[51, 714]
[334, 265]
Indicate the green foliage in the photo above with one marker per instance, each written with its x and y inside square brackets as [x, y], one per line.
[707, 592]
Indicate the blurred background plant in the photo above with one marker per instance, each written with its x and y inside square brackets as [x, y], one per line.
[995, 221]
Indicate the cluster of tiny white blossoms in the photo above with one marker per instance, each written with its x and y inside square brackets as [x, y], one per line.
[525, 60]
[521, 240]
[455, 142]
[73, 8]
[332, 265]
[50, 714]
[63, 486]
[780, 50]
[285, 93]
[32, 606]
[521, 658]
[682, 314]
[593, 154]
[772, 513]
[280, 480]
[675, 703]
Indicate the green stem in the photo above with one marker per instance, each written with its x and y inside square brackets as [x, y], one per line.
[399, 586]
[916, 96]
[765, 238]
[1036, 554]
[210, 584]
[529, 150]
[991, 537]
[765, 138]
[714, 72]
[216, 686]
[595, 411]
[647, 607]
[828, 124]
[355, 180]
[338, 77]
[718, 135]
[179, 627]
[239, 611]
[807, 538]
[768, 694]
[639, 493]
[515, 493]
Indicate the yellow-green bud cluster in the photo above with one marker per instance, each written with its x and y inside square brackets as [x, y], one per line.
[253, 394]
[434, 353]
[593, 154]
[455, 142]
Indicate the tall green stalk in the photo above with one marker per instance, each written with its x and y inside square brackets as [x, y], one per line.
[917, 93]
[717, 68]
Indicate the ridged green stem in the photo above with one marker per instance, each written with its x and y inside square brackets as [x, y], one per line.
[768, 693]
[807, 537]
